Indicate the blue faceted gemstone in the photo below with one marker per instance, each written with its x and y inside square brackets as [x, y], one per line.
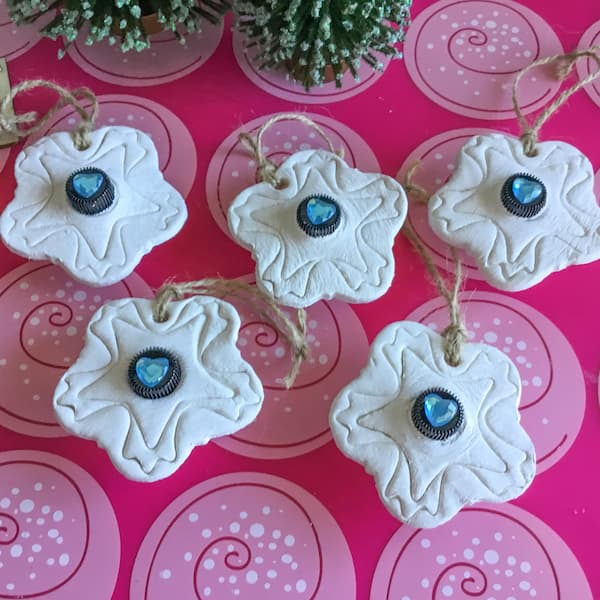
[87, 183]
[152, 371]
[526, 190]
[439, 411]
[320, 210]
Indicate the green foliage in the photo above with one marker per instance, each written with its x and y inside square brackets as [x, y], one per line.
[118, 21]
[310, 36]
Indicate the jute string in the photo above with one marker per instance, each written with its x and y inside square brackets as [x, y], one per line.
[81, 134]
[266, 168]
[455, 334]
[564, 65]
[262, 303]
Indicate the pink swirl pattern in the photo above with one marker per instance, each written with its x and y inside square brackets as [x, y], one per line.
[55, 315]
[55, 521]
[474, 582]
[9, 529]
[464, 55]
[245, 535]
[233, 553]
[45, 314]
[296, 421]
[536, 347]
[484, 552]
[232, 169]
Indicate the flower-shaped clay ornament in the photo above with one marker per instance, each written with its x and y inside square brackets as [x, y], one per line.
[148, 392]
[326, 232]
[95, 212]
[522, 217]
[435, 437]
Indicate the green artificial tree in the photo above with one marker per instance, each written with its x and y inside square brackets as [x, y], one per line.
[118, 21]
[317, 40]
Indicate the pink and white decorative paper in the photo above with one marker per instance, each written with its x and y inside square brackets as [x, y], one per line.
[244, 535]
[58, 532]
[282, 476]
[487, 552]
[464, 56]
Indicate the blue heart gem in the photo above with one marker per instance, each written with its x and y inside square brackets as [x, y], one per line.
[320, 210]
[154, 373]
[439, 411]
[88, 184]
[523, 195]
[526, 189]
[90, 191]
[437, 414]
[318, 215]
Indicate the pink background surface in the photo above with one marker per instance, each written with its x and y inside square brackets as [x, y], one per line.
[203, 93]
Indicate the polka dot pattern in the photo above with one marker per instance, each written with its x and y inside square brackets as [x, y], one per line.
[491, 552]
[56, 524]
[245, 535]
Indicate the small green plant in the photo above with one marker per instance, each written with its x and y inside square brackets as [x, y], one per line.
[118, 21]
[311, 37]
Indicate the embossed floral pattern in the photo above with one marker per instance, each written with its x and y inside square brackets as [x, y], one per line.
[219, 392]
[100, 249]
[515, 253]
[353, 263]
[421, 481]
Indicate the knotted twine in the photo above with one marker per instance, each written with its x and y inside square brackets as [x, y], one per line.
[564, 65]
[266, 168]
[12, 123]
[262, 303]
[455, 334]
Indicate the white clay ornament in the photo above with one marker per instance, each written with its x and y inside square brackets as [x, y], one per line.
[96, 211]
[148, 392]
[524, 209]
[325, 232]
[435, 437]
[522, 217]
